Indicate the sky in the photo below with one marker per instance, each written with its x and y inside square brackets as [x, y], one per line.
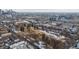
[46, 10]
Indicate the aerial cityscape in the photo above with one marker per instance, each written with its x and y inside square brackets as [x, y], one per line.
[39, 30]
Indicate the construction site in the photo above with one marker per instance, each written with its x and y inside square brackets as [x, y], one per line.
[38, 30]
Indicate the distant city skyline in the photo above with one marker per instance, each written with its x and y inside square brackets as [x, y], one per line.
[46, 10]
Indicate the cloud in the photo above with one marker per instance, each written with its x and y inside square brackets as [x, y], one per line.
[46, 10]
